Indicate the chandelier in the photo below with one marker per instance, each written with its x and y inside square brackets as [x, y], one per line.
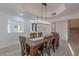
[43, 18]
[44, 15]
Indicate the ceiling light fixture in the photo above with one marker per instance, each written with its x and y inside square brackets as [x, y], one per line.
[44, 11]
[43, 19]
[21, 14]
[44, 15]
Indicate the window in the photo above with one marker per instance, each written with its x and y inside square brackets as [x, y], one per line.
[14, 27]
[9, 28]
[17, 28]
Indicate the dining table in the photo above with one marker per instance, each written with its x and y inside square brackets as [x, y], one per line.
[34, 44]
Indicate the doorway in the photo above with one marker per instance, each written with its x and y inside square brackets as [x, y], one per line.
[74, 35]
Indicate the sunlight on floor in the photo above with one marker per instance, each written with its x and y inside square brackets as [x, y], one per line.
[71, 49]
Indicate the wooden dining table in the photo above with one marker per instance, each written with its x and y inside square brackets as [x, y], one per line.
[34, 44]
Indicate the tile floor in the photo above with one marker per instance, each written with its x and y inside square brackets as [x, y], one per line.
[14, 50]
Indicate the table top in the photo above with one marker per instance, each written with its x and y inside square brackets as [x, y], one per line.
[35, 41]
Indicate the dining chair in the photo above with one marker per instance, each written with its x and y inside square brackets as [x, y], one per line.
[24, 46]
[51, 44]
[55, 41]
[57, 45]
[40, 34]
[33, 35]
[40, 50]
[46, 45]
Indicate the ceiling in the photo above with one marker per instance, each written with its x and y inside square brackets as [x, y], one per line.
[35, 9]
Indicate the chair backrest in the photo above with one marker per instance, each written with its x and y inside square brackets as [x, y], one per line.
[47, 41]
[56, 35]
[24, 47]
[22, 42]
[40, 34]
[33, 35]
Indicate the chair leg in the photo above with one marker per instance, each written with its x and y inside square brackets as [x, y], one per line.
[38, 54]
[42, 53]
[49, 52]
[53, 48]
[57, 44]
[22, 52]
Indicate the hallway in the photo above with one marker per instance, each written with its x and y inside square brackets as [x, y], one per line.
[74, 40]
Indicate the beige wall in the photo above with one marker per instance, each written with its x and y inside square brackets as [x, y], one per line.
[74, 23]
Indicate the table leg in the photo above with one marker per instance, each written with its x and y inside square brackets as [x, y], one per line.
[32, 51]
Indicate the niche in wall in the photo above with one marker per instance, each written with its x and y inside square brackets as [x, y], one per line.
[34, 27]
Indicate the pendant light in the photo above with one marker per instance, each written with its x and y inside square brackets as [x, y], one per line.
[43, 15]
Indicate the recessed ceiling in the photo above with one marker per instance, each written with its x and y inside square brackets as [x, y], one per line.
[35, 9]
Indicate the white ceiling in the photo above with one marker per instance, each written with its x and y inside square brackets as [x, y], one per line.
[34, 9]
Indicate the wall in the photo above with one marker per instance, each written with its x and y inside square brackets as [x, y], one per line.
[74, 23]
[45, 28]
[53, 27]
[62, 29]
[8, 39]
[67, 17]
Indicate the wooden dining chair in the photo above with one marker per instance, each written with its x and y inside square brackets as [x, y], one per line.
[46, 45]
[52, 43]
[40, 51]
[57, 45]
[40, 34]
[33, 35]
[55, 41]
[24, 47]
